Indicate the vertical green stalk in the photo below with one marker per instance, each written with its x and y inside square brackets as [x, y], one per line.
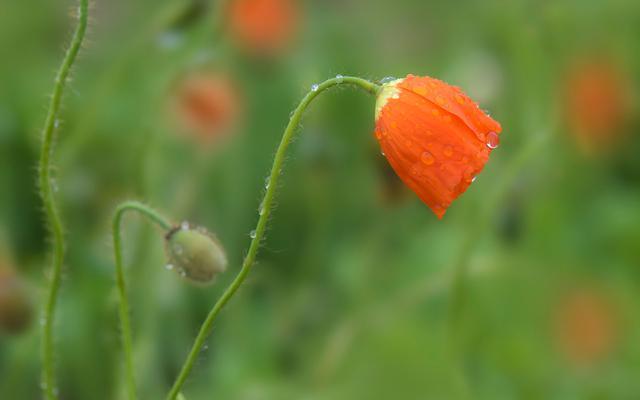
[52, 214]
[125, 323]
[264, 212]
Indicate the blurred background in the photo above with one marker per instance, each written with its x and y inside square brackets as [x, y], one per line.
[527, 289]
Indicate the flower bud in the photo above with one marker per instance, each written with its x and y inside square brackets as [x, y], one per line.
[195, 254]
[16, 308]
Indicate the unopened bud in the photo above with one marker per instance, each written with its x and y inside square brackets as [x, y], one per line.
[195, 254]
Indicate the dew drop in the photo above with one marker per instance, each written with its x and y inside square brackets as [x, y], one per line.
[474, 179]
[168, 267]
[252, 234]
[340, 77]
[315, 87]
[182, 272]
[387, 79]
[56, 123]
[378, 135]
[440, 100]
[448, 151]
[427, 158]
[267, 182]
[493, 140]
[459, 99]
[184, 226]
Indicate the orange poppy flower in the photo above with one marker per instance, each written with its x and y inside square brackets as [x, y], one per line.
[206, 105]
[434, 136]
[263, 26]
[16, 309]
[597, 102]
[585, 326]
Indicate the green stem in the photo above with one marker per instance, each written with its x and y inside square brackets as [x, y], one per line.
[53, 218]
[265, 211]
[125, 323]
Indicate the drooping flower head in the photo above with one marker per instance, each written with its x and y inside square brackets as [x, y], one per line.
[206, 105]
[263, 27]
[434, 136]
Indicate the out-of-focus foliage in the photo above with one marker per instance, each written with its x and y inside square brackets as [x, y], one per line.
[351, 296]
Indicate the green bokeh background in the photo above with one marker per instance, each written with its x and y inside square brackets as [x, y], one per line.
[352, 295]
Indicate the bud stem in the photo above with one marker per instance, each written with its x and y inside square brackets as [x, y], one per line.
[267, 203]
[52, 214]
[125, 324]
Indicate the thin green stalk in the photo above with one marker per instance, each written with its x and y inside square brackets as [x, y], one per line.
[125, 323]
[265, 211]
[53, 218]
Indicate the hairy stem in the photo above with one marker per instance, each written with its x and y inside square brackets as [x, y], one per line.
[125, 323]
[53, 218]
[265, 211]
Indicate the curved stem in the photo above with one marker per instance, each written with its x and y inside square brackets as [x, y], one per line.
[52, 214]
[265, 211]
[125, 323]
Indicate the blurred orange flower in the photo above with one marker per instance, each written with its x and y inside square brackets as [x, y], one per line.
[585, 326]
[597, 102]
[16, 308]
[263, 26]
[206, 105]
[434, 136]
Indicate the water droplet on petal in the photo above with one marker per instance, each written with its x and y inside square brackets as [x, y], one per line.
[493, 140]
[315, 87]
[474, 179]
[427, 158]
[252, 234]
[448, 151]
